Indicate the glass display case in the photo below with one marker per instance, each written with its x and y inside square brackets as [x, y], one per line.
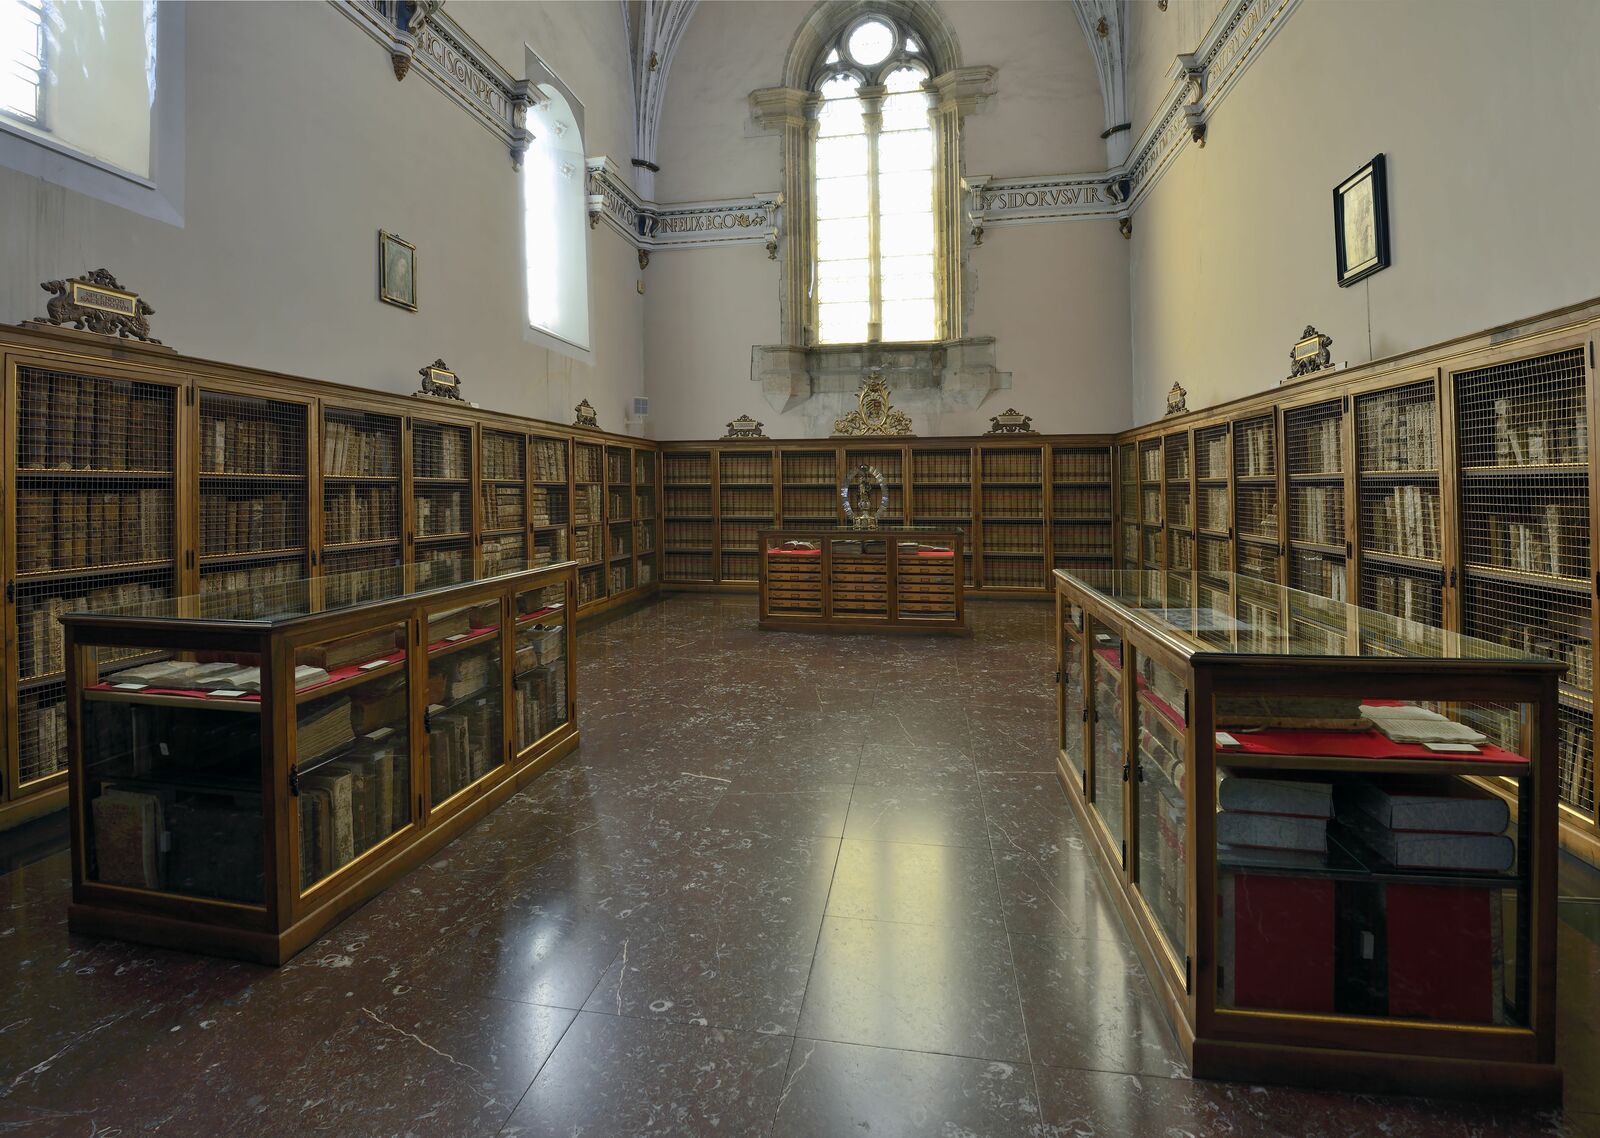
[249, 767]
[901, 578]
[1332, 831]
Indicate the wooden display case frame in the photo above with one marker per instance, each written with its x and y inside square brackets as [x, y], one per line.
[289, 919]
[827, 617]
[1369, 1053]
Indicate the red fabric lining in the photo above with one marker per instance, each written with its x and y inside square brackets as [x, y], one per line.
[1349, 744]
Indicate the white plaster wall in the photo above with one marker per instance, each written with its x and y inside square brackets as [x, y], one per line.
[1154, 41]
[1486, 113]
[1054, 294]
[300, 146]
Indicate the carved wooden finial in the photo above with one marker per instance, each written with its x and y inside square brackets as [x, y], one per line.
[587, 416]
[95, 302]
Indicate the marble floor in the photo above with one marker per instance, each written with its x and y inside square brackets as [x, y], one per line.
[789, 885]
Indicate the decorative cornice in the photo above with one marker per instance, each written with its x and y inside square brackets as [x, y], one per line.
[1199, 84]
[456, 64]
[774, 108]
[964, 89]
[1055, 197]
[750, 220]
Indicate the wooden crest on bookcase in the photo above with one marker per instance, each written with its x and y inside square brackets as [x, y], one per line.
[95, 302]
[439, 381]
[1310, 353]
[873, 414]
[587, 416]
[744, 427]
[1011, 422]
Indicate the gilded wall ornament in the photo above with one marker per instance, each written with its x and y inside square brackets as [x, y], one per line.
[587, 416]
[95, 302]
[744, 427]
[1310, 353]
[1177, 399]
[1011, 422]
[439, 381]
[873, 414]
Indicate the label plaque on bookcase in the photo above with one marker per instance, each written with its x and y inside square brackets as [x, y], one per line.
[95, 302]
[439, 381]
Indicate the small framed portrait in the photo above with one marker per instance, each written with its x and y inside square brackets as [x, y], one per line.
[1361, 223]
[397, 271]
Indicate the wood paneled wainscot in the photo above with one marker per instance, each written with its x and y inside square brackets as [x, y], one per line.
[247, 768]
[1320, 884]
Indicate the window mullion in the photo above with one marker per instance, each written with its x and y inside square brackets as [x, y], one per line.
[872, 119]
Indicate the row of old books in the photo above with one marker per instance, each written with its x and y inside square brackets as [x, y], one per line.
[442, 512]
[1178, 503]
[1396, 434]
[1013, 502]
[71, 530]
[1408, 598]
[810, 469]
[619, 504]
[349, 806]
[1314, 447]
[540, 702]
[591, 585]
[746, 468]
[1406, 521]
[1575, 761]
[503, 554]
[585, 544]
[549, 460]
[463, 745]
[586, 505]
[256, 579]
[42, 733]
[691, 469]
[589, 464]
[647, 572]
[746, 502]
[548, 507]
[801, 503]
[1554, 541]
[644, 537]
[616, 466]
[40, 648]
[1258, 511]
[1177, 462]
[688, 566]
[1150, 462]
[1213, 508]
[621, 577]
[1319, 514]
[549, 547]
[1082, 466]
[441, 452]
[362, 575]
[944, 502]
[736, 536]
[438, 566]
[687, 501]
[1255, 455]
[502, 507]
[1015, 466]
[502, 457]
[1087, 540]
[354, 513]
[886, 463]
[230, 444]
[1009, 573]
[1325, 576]
[689, 535]
[67, 423]
[1555, 630]
[1211, 455]
[232, 524]
[1549, 428]
[621, 539]
[926, 466]
[202, 845]
[1002, 538]
[1150, 505]
[356, 450]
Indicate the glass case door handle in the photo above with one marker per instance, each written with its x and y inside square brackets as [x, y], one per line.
[1126, 771]
[294, 779]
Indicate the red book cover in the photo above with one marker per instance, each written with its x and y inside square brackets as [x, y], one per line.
[1444, 952]
[1277, 943]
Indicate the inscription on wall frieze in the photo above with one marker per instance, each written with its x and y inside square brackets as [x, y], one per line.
[751, 220]
[1010, 200]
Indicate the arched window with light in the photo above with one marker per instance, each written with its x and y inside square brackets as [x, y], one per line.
[874, 164]
[556, 235]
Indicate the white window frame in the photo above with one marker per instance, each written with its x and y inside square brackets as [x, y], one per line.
[159, 196]
[538, 71]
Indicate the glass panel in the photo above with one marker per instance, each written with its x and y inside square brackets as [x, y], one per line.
[871, 42]
[842, 323]
[860, 578]
[839, 281]
[352, 747]
[1163, 828]
[842, 157]
[1395, 895]
[464, 700]
[1107, 787]
[906, 189]
[908, 320]
[172, 773]
[905, 150]
[842, 196]
[1073, 689]
[841, 238]
[540, 683]
[906, 234]
[907, 278]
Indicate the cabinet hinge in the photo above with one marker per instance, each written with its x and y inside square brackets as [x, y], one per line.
[1138, 771]
[419, 806]
[294, 779]
[1058, 675]
[1188, 971]
[11, 592]
[1186, 705]
[1124, 851]
[1452, 576]
[1127, 773]
[188, 396]
[1086, 713]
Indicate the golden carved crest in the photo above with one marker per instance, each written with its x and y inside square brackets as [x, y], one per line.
[873, 414]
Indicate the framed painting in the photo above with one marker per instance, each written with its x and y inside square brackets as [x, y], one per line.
[397, 271]
[1361, 223]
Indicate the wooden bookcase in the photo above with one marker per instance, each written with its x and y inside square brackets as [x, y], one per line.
[1022, 504]
[137, 473]
[588, 519]
[646, 522]
[1453, 487]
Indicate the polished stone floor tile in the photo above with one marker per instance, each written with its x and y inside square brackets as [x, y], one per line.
[815, 812]
[725, 968]
[915, 987]
[756, 874]
[953, 886]
[1089, 1006]
[1062, 897]
[910, 764]
[843, 1089]
[616, 1076]
[922, 814]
